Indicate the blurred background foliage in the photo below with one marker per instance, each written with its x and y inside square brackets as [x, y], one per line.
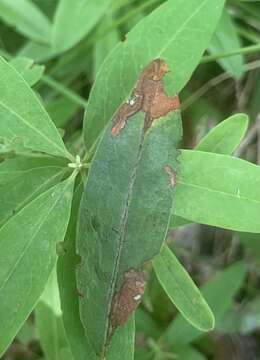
[227, 81]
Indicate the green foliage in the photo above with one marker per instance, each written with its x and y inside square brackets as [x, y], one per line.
[26, 264]
[76, 258]
[70, 24]
[26, 18]
[225, 284]
[173, 41]
[227, 39]
[34, 127]
[182, 291]
[30, 72]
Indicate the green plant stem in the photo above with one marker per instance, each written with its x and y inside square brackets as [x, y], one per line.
[244, 50]
[62, 89]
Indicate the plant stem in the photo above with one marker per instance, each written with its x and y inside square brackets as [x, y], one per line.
[244, 50]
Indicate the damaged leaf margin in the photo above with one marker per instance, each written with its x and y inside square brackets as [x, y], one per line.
[148, 96]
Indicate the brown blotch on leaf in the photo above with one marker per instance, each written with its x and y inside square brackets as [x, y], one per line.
[172, 175]
[148, 96]
[128, 298]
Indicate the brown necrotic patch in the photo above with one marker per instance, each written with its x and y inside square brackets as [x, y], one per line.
[148, 96]
[128, 298]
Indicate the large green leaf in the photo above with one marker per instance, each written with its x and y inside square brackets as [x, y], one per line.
[125, 207]
[224, 40]
[218, 190]
[222, 287]
[182, 290]
[49, 323]
[123, 342]
[74, 20]
[223, 139]
[27, 19]
[23, 116]
[28, 254]
[178, 32]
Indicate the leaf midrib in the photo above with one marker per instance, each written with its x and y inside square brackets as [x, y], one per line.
[182, 27]
[218, 191]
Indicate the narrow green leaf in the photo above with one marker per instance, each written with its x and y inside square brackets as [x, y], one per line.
[218, 190]
[69, 294]
[74, 21]
[24, 117]
[49, 323]
[27, 19]
[226, 136]
[223, 286]
[180, 43]
[182, 291]
[226, 39]
[125, 210]
[31, 72]
[28, 255]
[19, 187]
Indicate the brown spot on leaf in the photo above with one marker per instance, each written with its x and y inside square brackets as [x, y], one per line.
[128, 298]
[172, 175]
[148, 96]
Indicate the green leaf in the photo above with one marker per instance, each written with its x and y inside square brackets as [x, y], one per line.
[69, 295]
[27, 19]
[74, 21]
[24, 117]
[49, 322]
[122, 346]
[21, 185]
[30, 72]
[226, 136]
[216, 189]
[37, 52]
[182, 291]
[123, 341]
[124, 211]
[28, 255]
[188, 353]
[180, 43]
[105, 44]
[222, 287]
[222, 139]
[61, 110]
[224, 40]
